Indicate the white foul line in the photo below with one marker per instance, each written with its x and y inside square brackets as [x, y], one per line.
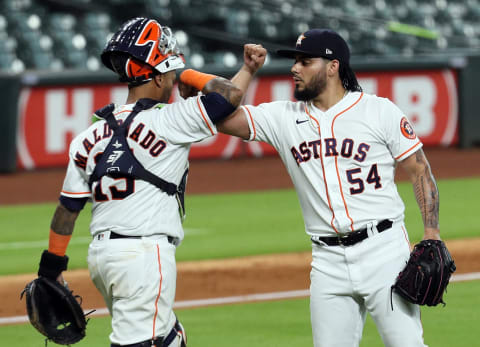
[242, 298]
[81, 240]
[465, 277]
[232, 299]
[40, 243]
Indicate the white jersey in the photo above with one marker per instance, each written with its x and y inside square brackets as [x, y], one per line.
[342, 161]
[160, 139]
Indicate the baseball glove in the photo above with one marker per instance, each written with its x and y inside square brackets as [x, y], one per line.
[426, 275]
[54, 311]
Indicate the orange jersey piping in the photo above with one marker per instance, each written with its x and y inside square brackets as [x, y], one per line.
[122, 112]
[408, 150]
[253, 125]
[159, 292]
[203, 116]
[73, 193]
[405, 235]
[336, 161]
[323, 170]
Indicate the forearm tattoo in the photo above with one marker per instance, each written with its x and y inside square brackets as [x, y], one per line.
[225, 88]
[63, 221]
[426, 192]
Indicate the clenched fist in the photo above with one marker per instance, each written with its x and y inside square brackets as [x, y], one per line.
[254, 57]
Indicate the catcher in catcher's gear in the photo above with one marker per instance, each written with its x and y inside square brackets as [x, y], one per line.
[132, 164]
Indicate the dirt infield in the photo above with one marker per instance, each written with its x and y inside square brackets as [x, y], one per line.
[220, 278]
[208, 279]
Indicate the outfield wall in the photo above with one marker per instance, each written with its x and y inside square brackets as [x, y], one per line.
[44, 111]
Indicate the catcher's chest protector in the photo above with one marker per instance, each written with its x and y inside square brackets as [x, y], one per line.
[117, 160]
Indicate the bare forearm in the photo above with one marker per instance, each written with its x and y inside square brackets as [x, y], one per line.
[426, 194]
[63, 220]
[243, 78]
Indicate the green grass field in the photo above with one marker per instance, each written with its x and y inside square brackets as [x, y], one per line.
[233, 225]
[283, 324]
[227, 225]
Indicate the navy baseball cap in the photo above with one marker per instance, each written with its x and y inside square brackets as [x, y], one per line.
[323, 43]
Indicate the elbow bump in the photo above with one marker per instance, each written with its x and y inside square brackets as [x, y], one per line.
[218, 108]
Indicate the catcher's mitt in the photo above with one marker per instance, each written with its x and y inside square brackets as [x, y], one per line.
[426, 275]
[54, 311]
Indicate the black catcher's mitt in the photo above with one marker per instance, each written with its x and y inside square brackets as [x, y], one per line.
[426, 275]
[54, 311]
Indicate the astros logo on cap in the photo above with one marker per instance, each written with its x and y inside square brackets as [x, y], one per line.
[407, 129]
[300, 38]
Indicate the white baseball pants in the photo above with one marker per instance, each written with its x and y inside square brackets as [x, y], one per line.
[348, 282]
[137, 279]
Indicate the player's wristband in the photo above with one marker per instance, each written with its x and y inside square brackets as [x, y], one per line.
[57, 244]
[52, 265]
[195, 78]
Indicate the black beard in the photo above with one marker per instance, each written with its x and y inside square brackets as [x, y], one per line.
[306, 94]
[317, 86]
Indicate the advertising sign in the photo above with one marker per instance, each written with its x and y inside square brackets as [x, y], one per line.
[49, 117]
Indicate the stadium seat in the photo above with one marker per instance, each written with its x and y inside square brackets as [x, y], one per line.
[16, 5]
[95, 27]
[61, 22]
[237, 23]
[3, 24]
[473, 12]
[7, 44]
[6, 60]
[362, 22]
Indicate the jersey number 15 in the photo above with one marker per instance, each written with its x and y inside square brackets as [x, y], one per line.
[116, 193]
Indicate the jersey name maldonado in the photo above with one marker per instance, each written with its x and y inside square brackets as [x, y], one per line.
[146, 139]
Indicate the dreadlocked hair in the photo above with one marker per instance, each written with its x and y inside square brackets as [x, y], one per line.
[348, 78]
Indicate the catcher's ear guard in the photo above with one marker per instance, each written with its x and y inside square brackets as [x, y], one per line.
[54, 311]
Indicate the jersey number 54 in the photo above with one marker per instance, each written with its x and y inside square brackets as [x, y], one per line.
[358, 183]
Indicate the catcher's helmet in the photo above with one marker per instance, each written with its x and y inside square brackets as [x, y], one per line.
[140, 48]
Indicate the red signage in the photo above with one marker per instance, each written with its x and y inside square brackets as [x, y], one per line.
[49, 117]
[429, 99]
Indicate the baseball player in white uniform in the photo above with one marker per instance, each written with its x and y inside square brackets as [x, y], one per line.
[341, 147]
[132, 165]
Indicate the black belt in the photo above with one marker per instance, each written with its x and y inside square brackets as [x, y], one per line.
[158, 341]
[114, 235]
[353, 237]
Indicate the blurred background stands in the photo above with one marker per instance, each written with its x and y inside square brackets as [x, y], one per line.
[63, 34]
